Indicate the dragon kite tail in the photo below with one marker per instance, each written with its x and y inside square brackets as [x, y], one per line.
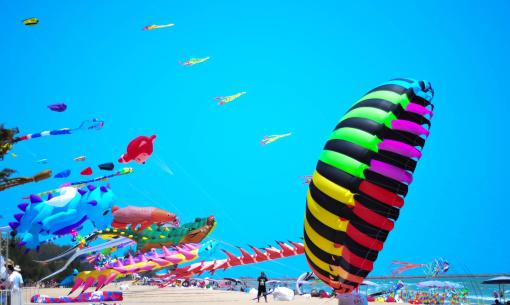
[245, 258]
[140, 263]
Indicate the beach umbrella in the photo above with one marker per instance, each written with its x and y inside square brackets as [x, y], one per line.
[438, 284]
[500, 281]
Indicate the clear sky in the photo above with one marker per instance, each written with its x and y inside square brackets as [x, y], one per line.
[302, 64]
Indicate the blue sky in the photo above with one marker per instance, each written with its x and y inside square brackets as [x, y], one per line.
[302, 64]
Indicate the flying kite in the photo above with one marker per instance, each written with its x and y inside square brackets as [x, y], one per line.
[273, 138]
[63, 174]
[361, 179]
[139, 150]
[62, 213]
[80, 158]
[141, 217]
[78, 184]
[432, 269]
[6, 182]
[266, 254]
[152, 237]
[14, 155]
[106, 166]
[155, 26]
[86, 172]
[31, 21]
[194, 61]
[144, 262]
[85, 125]
[42, 161]
[61, 107]
[307, 179]
[227, 99]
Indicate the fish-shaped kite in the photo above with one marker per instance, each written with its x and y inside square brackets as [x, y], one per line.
[80, 158]
[42, 161]
[227, 99]
[156, 26]
[194, 61]
[272, 138]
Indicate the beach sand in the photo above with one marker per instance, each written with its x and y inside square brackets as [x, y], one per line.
[154, 295]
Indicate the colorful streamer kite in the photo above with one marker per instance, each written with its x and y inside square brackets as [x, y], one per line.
[273, 138]
[156, 26]
[432, 269]
[78, 184]
[85, 125]
[227, 99]
[361, 179]
[194, 61]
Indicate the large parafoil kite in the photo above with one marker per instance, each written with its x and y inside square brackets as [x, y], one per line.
[361, 179]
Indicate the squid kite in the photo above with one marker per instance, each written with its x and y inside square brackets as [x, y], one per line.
[156, 26]
[227, 99]
[194, 61]
[273, 138]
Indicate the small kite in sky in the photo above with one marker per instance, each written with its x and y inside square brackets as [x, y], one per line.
[63, 174]
[80, 158]
[106, 166]
[272, 138]
[194, 61]
[227, 99]
[86, 172]
[156, 26]
[307, 179]
[31, 21]
[61, 107]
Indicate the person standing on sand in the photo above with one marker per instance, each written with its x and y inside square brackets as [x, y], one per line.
[262, 279]
[15, 282]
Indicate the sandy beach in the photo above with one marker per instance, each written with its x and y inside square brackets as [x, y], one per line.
[154, 295]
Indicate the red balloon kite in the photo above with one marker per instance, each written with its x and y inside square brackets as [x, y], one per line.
[139, 150]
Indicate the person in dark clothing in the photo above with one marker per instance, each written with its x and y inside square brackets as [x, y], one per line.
[262, 279]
